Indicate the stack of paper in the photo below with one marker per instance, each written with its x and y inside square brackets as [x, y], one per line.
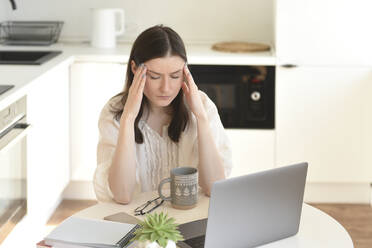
[77, 232]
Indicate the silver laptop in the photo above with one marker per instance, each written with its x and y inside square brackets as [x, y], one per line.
[250, 210]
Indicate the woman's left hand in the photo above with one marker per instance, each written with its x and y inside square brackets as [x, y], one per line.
[192, 95]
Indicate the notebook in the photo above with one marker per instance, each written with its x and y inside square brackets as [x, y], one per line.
[250, 210]
[76, 232]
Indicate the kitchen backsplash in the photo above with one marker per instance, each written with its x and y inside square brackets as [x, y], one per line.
[194, 20]
[3, 13]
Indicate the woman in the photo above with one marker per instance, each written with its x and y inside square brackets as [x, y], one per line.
[160, 121]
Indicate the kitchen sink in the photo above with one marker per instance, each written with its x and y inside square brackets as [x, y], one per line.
[4, 88]
[26, 57]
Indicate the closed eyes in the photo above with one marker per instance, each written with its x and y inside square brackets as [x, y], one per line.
[172, 76]
[154, 77]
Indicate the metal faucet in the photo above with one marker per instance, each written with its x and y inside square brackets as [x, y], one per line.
[14, 6]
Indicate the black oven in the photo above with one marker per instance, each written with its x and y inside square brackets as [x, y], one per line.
[244, 95]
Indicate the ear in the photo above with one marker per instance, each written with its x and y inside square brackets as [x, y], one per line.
[133, 66]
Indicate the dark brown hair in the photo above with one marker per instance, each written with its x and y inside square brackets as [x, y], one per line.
[155, 42]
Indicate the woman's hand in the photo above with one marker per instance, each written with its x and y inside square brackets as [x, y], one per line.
[192, 95]
[135, 94]
[210, 165]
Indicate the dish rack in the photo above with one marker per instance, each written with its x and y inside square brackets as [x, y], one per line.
[30, 32]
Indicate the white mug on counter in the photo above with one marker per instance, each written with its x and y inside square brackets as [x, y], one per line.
[104, 29]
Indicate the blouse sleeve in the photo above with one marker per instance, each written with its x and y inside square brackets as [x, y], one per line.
[108, 135]
[218, 133]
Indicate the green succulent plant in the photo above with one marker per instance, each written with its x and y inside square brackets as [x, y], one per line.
[159, 228]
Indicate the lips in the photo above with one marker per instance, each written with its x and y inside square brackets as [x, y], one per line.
[164, 97]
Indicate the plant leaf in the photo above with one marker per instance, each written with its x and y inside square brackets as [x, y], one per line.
[163, 242]
[147, 230]
[158, 228]
[170, 221]
[157, 217]
[161, 233]
[148, 222]
[153, 237]
[144, 237]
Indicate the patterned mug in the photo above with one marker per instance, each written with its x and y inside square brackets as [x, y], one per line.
[183, 187]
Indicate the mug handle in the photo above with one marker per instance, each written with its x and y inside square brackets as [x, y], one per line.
[121, 16]
[166, 180]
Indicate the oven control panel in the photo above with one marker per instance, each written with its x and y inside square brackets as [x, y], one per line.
[12, 113]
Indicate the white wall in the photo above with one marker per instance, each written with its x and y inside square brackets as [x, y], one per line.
[194, 20]
[3, 9]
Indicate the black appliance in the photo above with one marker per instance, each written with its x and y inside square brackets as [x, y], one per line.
[244, 95]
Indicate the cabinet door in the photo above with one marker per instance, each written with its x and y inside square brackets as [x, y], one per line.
[252, 150]
[319, 119]
[313, 32]
[92, 85]
[48, 141]
[367, 128]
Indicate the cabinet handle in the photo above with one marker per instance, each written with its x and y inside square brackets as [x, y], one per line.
[13, 135]
[289, 66]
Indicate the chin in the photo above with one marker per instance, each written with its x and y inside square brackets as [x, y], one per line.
[163, 103]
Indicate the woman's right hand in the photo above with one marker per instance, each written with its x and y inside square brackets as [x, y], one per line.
[135, 94]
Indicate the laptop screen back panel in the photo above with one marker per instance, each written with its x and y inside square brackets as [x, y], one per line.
[256, 209]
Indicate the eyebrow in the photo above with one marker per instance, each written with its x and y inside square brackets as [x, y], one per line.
[161, 73]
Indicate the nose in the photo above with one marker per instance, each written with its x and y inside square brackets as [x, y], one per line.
[165, 85]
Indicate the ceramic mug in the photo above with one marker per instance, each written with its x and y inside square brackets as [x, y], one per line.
[183, 187]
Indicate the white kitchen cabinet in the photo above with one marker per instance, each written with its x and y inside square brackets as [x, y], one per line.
[48, 141]
[92, 85]
[252, 150]
[322, 117]
[366, 128]
[317, 32]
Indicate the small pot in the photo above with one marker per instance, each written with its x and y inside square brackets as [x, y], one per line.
[155, 244]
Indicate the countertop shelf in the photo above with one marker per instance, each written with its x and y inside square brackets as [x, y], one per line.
[23, 76]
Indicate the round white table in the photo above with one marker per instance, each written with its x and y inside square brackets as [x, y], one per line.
[317, 229]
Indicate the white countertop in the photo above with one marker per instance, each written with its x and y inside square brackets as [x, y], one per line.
[24, 76]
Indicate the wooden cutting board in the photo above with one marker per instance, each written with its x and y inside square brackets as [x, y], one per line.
[240, 47]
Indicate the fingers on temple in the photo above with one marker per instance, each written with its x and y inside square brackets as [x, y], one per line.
[140, 77]
[143, 80]
[189, 79]
[136, 73]
[185, 87]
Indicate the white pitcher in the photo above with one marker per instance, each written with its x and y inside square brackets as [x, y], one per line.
[104, 29]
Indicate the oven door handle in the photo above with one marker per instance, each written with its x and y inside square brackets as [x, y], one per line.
[18, 132]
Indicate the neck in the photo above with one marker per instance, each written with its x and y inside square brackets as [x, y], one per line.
[159, 110]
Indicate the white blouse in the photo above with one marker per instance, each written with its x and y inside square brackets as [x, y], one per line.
[157, 155]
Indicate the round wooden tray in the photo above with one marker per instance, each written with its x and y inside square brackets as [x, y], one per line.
[240, 47]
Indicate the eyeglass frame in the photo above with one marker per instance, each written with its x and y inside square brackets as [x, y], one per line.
[140, 210]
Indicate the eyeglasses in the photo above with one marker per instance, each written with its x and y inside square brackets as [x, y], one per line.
[148, 207]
